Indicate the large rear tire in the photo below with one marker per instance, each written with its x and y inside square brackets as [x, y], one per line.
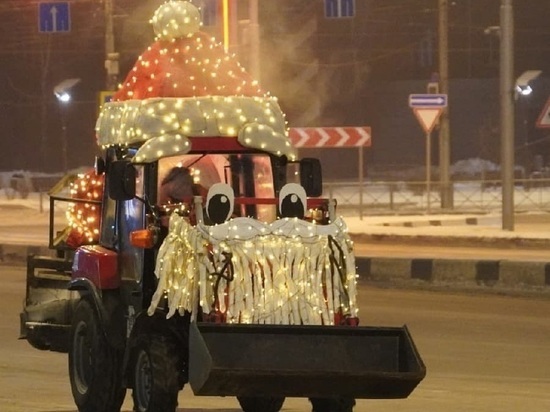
[260, 404]
[156, 375]
[332, 404]
[95, 367]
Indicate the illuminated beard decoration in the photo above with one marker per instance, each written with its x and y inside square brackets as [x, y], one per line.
[290, 271]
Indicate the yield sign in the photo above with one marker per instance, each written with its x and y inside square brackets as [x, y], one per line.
[428, 117]
[544, 118]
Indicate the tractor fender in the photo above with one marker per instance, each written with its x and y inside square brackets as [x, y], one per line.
[97, 263]
[108, 308]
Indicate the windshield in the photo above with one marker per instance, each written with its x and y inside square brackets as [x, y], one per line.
[249, 175]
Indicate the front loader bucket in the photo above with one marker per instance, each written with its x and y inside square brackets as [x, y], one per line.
[303, 361]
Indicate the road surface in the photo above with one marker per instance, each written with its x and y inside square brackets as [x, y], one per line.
[483, 353]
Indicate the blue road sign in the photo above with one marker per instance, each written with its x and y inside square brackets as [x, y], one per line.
[54, 17]
[339, 8]
[428, 100]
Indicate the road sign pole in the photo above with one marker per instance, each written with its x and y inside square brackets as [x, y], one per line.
[445, 189]
[428, 169]
[428, 108]
[361, 180]
[254, 40]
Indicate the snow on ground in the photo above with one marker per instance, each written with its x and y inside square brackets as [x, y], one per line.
[34, 210]
[16, 205]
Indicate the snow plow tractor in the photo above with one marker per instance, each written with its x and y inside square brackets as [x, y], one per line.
[199, 251]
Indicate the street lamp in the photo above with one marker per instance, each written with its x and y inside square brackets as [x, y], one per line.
[62, 91]
[523, 82]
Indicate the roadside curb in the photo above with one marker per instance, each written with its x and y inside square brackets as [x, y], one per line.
[458, 221]
[481, 272]
[449, 240]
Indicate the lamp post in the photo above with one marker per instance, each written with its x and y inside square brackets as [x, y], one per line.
[254, 40]
[505, 33]
[446, 189]
[62, 91]
[507, 112]
[111, 56]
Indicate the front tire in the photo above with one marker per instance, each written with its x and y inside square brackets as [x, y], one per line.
[332, 404]
[260, 404]
[94, 365]
[156, 375]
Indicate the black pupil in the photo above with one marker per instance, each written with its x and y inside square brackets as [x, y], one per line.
[292, 206]
[218, 208]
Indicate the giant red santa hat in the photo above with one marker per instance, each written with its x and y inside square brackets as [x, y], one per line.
[185, 85]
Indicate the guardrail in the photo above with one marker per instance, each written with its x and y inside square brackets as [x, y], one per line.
[375, 197]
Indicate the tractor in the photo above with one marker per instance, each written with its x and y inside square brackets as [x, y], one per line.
[243, 285]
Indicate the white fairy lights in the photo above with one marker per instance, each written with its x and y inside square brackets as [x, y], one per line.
[83, 217]
[176, 19]
[186, 84]
[283, 273]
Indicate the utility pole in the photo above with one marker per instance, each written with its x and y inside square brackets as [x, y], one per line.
[446, 190]
[507, 112]
[254, 31]
[111, 56]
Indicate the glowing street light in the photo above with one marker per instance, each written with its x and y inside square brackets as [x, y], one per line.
[63, 89]
[523, 82]
[63, 97]
[524, 91]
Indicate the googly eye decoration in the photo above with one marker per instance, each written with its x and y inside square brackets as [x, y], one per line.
[292, 201]
[220, 202]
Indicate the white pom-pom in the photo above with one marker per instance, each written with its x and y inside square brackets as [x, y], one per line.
[176, 19]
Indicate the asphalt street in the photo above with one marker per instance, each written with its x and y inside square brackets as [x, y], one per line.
[483, 353]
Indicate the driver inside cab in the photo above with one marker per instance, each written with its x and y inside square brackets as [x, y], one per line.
[178, 188]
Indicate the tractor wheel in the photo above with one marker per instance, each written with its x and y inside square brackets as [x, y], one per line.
[156, 375]
[260, 404]
[94, 366]
[332, 404]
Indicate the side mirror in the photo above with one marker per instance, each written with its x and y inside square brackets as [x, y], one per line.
[99, 165]
[311, 177]
[121, 180]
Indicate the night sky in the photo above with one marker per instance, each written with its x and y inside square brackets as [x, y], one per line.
[387, 41]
